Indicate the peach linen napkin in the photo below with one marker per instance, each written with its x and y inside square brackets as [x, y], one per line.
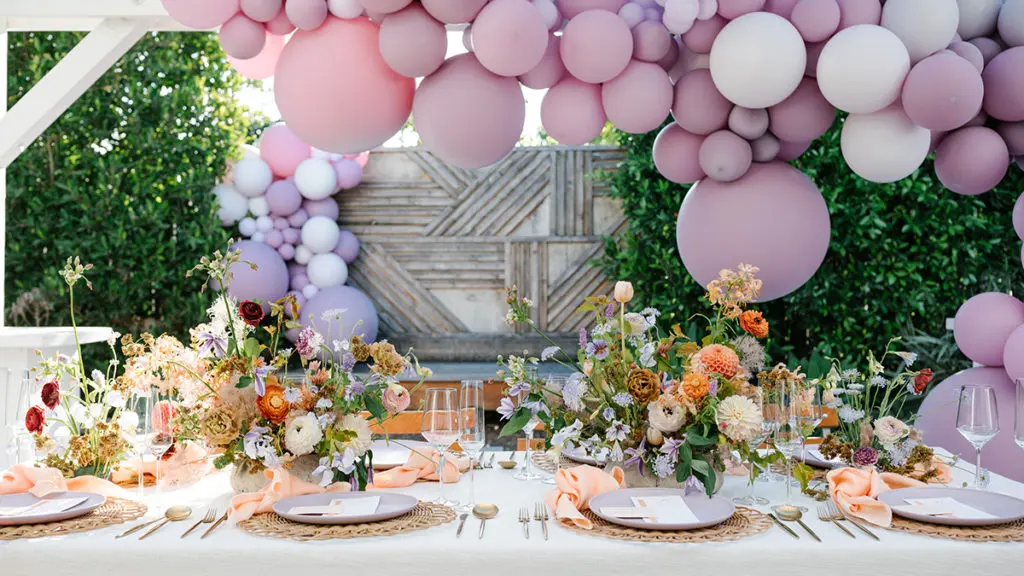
[421, 465]
[855, 491]
[186, 466]
[283, 485]
[42, 481]
[574, 487]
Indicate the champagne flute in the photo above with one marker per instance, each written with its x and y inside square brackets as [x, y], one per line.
[788, 437]
[159, 434]
[474, 433]
[1018, 422]
[441, 428]
[20, 444]
[977, 420]
[555, 384]
[808, 414]
[527, 472]
[768, 424]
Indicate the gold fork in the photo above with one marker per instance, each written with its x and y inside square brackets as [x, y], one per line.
[834, 511]
[524, 519]
[211, 515]
[540, 514]
[825, 516]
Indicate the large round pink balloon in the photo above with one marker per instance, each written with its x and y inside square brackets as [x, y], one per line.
[510, 37]
[984, 323]
[242, 38]
[282, 150]
[267, 283]
[972, 160]
[730, 9]
[569, 9]
[1013, 354]
[1004, 86]
[854, 12]
[572, 112]
[335, 91]
[677, 154]
[1018, 216]
[360, 317]
[937, 420]
[283, 198]
[263, 65]
[724, 156]
[550, 70]
[454, 11]
[638, 100]
[467, 115]
[698, 106]
[201, 14]
[943, 92]
[804, 116]
[412, 43]
[788, 252]
[596, 46]
[651, 41]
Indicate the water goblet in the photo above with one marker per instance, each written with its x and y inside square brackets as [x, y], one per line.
[441, 429]
[977, 420]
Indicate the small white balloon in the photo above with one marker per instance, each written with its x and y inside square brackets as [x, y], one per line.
[309, 291]
[252, 176]
[862, 68]
[302, 254]
[1011, 23]
[707, 9]
[327, 270]
[467, 38]
[346, 9]
[758, 60]
[316, 179]
[977, 18]
[924, 26]
[257, 236]
[884, 146]
[321, 154]
[548, 10]
[247, 227]
[320, 234]
[264, 224]
[259, 206]
[250, 151]
[231, 206]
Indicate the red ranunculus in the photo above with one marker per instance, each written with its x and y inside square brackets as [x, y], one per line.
[34, 419]
[51, 394]
[922, 380]
[251, 312]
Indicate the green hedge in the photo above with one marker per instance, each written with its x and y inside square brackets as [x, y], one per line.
[123, 179]
[902, 259]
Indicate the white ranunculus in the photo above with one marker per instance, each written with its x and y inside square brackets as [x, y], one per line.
[363, 438]
[302, 434]
[889, 430]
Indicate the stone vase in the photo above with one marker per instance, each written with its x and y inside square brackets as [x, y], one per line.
[634, 479]
[243, 479]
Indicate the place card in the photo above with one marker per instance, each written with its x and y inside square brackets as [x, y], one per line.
[668, 509]
[340, 507]
[942, 507]
[628, 512]
[42, 507]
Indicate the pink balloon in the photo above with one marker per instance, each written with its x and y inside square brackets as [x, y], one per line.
[788, 252]
[783, 8]
[384, 6]
[349, 172]
[326, 207]
[273, 238]
[263, 65]
[282, 150]
[261, 10]
[813, 54]
[748, 123]
[281, 223]
[671, 57]
[766, 148]
[638, 100]
[816, 20]
[299, 218]
[804, 116]
[299, 281]
[937, 420]
[454, 11]
[348, 246]
[1013, 354]
[854, 12]
[730, 9]
[1013, 135]
[267, 283]
[280, 25]
[596, 46]
[291, 235]
[703, 34]
[306, 14]
[1004, 86]
[943, 92]
[284, 198]
[969, 52]
[972, 160]
[412, 43]
[510, 37]
[569, 9]
[201, 14]
[572, 112]
[242, 38]
[286, 251]
[724, 156]
[550, 70]
[988, 47]
[984, 323]
[698, 106]
[335, 91]
[677, 154]
[467, 115]
[651, 41]
[789, 151]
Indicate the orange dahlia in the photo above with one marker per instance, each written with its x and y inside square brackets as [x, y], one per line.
[720, 359]
[754, 324]
[695, 386]
[272, 404]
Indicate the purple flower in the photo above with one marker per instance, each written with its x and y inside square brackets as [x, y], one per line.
[713, 387]
[608, 414]
[865, 456]
[671, 448]
[573, 391]
[209, 342]
[583, 338]
[549, 353]
[598, 349]
[259, 378]
[609, 311]
[663, 466]
[506, 408]
[308, 343]
[355, 388]
[293, 395]
[348, 362]
[536, 406]
[618, 431]
[518, 388]
[622, 399]
[636, 456]
[692, 483]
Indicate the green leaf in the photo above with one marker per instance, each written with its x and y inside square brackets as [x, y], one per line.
[374, 406]
[516, 423]
[252, 347]
[698, 441]
[685, 467]
[244, 382]
[222, 461]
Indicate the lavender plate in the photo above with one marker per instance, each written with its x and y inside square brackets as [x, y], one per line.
[580, 458]
[92, 502]
[388, 455]
[814, 458]
[709, 511]
[392, 505]
[1003, 508]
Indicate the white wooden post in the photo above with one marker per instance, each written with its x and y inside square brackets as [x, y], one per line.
[3, 175]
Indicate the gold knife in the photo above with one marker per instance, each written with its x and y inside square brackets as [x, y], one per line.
[809, 531]
[783, 526]
[215, 524]
[862, 528]
[136, 528]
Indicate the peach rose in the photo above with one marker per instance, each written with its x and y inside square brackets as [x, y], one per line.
[396, 398]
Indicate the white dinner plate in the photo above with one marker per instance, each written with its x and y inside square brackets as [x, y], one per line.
[814, 459]
[709, 511]
[1003, 508]
[92, 502]
[392, 505]
[580, 458]
[388, 455]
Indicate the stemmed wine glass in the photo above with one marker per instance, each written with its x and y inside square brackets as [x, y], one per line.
[1018, 421]
[977, 420]
[789, 436]
[808, 413]
[19, 440]
[441, 429]
[768, 425]
[474, 434]
[555, 384]
[160, 412]
[527, 472]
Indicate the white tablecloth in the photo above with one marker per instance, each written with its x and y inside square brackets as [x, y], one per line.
[230, 551]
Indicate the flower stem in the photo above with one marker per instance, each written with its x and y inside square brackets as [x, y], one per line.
[74, 329]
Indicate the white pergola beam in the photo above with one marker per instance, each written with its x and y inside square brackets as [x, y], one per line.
[81, 8]
[69, 24]
[68, 80]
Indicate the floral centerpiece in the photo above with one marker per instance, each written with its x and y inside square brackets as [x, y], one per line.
[662, 405]
[868, 404]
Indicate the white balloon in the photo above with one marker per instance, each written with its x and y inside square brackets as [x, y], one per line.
[257, 236]
[346, 9]
[862, 68]
[924, 26]
[977, 17]
[302, 254]
[264, 224]
[259, 206]
[1011, 23]
[884, 146]
[250, 151]
[309, 291]
[549, 12]
[321, 154]
[758, 60]
[467, 38]
[327, 270]
[252, 176]
[316, 179]
[632, 13]
[320, 234]
[231, 206]
[247, 227]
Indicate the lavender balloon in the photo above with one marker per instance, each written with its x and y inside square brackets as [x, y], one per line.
[972, 160]
[943, 91]
[1013, 354]
[677, 154]
[349, 173]
[348, 246]
[287, 251]
[984, 323]
[804, 116]
[267, 283]
[724, 156]
[1018, 217]
[359, 319]
[283, 198]
[327, 207]
[766, 148]
[1004, 86]
[749, 123]
[299, 218]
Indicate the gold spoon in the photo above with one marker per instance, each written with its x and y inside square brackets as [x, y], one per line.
[173, 514]
[793, 514]
[484, 512]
